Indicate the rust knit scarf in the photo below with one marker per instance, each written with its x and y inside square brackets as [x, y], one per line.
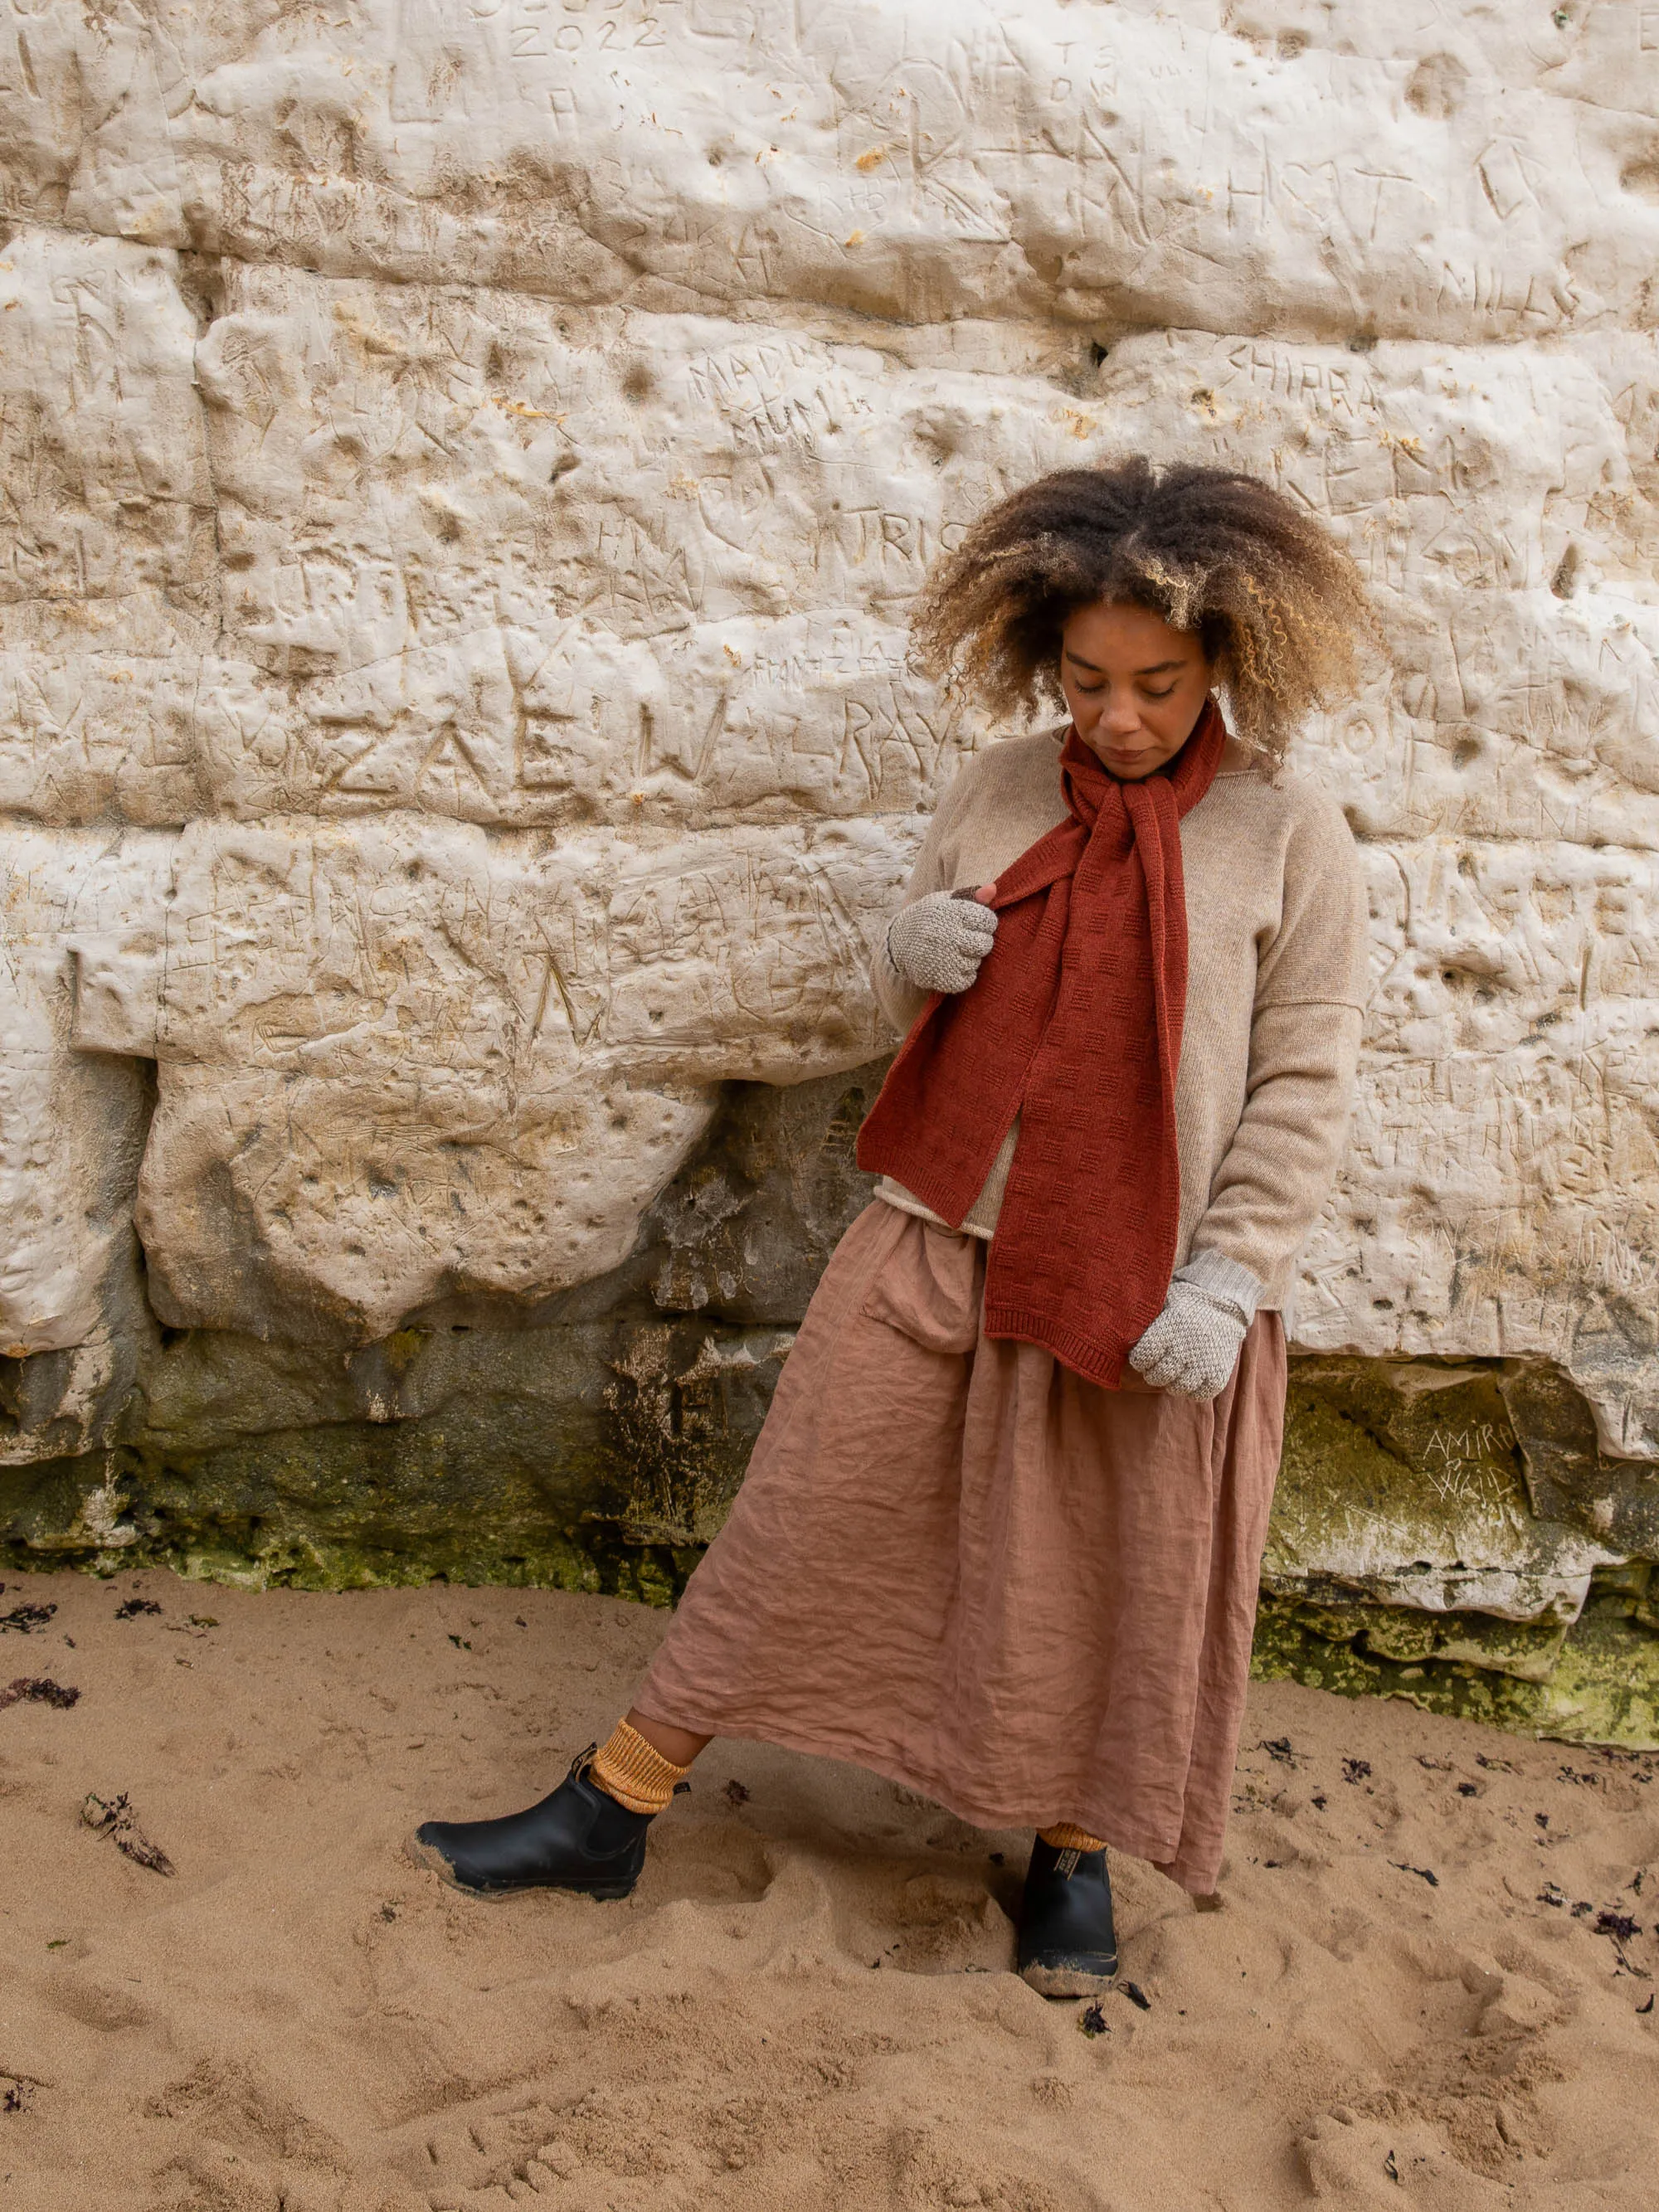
[1074, 1025]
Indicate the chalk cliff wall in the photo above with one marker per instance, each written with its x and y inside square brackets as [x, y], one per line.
[466, 463]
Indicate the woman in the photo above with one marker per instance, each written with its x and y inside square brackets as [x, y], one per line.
[1000, 1535]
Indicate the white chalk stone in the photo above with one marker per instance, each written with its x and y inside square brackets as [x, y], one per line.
[1314, 170]
[399, 1059]
[72, 1109]
[109, 524]
[469, 462]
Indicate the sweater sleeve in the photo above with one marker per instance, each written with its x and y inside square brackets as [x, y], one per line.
[1311, 988]
[900, 1000]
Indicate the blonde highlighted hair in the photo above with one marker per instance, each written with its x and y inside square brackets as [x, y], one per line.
[1278, 605]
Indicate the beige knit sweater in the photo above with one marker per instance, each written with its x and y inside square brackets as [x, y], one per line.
[1275, 994]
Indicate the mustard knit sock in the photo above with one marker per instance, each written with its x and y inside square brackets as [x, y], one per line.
[636, 1773]
[1063, 1837]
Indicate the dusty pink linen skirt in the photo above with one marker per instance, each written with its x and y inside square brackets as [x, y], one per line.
[957, 1564]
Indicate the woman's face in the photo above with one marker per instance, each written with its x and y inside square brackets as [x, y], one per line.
[1135, 687]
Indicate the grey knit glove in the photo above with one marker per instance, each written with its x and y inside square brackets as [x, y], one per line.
[1192, 1348]
[939, 943]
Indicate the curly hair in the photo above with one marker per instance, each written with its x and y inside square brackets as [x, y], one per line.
[1278, 606]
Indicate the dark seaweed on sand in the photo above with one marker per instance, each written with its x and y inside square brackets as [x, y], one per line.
[35, 1689]
[26, 1619]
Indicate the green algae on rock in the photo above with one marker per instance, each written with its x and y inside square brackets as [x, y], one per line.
[592, 1442]
[1602, 1686]
[1440, 1533]
[1405, 1482]
[1438, 1529]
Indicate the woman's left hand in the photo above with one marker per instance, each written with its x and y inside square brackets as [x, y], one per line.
[1192, 1348]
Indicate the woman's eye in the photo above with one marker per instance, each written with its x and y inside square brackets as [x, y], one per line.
[1167, 693]
[1087, 690]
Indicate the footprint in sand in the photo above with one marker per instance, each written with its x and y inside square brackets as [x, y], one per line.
[591, 2151]
[897, 1915]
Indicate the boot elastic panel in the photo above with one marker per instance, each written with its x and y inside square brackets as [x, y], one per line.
[579, 1838]
[1068, 1942]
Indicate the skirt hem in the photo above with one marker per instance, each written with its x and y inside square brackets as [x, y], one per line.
[1099, 1820]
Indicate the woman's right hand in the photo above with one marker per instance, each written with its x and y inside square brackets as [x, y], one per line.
[939, 943]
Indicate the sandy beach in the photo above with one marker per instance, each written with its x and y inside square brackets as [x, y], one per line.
[1429, 1980]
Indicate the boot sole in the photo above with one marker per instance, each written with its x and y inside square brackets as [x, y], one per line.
[428, 1856]
[1070, 1979]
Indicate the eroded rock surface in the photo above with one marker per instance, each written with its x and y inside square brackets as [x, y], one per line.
[467, 464]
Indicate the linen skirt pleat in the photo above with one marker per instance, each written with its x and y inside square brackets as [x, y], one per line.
[956, 1563]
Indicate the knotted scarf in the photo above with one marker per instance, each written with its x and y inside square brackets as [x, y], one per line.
[1073, 1024]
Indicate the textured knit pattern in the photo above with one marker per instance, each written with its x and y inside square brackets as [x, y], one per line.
[956, 1563]
[1087, 973]
[1276, 980]
[1063, 1837]
[635, 1773]
[1190, 1348]
[939, 943]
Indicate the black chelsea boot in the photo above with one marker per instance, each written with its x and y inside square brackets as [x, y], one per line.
[1067, 1944]
[579, 1838]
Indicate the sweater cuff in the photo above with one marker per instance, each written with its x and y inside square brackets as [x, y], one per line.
[1226, 1280]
